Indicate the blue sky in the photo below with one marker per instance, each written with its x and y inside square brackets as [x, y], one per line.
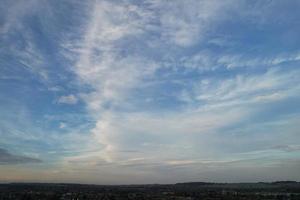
[154, 91]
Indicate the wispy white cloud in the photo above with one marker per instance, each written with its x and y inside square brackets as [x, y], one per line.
[14, 13]
[211, 61]
[62, 125]
[68, 99]
[186, 23]
[101, 63]
[22, 47]
[272, 85]
[233, 61]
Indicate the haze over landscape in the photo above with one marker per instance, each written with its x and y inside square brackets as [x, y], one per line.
[150, 91]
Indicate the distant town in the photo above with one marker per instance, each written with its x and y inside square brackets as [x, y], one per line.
[284, 190]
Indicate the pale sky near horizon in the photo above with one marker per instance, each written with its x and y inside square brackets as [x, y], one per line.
[149, 91]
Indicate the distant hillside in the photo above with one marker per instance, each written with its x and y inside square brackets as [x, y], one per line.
[259, 185]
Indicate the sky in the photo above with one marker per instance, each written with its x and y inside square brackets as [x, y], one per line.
[149, 91]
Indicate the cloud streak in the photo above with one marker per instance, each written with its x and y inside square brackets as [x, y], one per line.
[7, 158]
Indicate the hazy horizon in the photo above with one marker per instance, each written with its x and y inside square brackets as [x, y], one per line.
[150, 91]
